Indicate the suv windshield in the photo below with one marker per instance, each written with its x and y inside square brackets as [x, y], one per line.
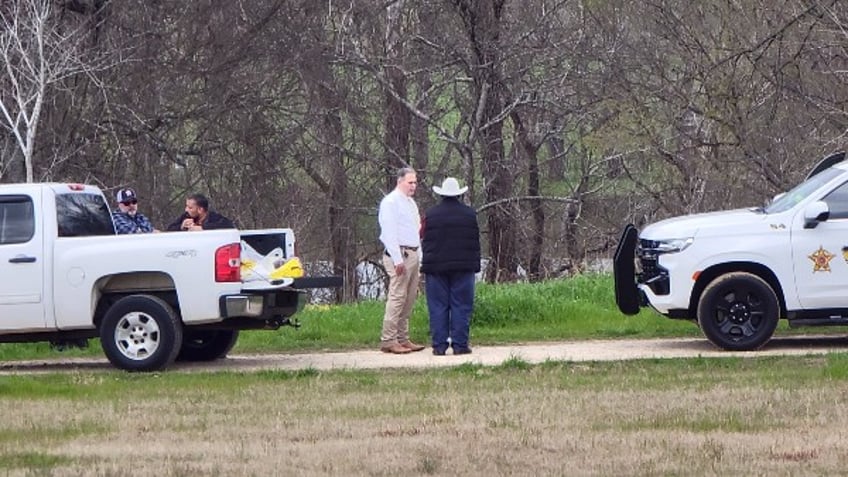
[802, 191]
[82, 215]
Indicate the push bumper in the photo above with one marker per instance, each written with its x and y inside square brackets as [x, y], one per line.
[624, 272]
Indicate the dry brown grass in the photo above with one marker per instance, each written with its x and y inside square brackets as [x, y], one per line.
[621, 419]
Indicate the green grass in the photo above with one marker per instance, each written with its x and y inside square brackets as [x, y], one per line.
[771, 372]
[32, 460]
[582, 307]
[13, 351]
[578, 308]
[51, 433]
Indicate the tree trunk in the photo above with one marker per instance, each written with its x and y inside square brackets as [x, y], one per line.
[481, 19]
[556, 163]
[397, 118]
[502, 218]
[328, 104]
[419, 132]
[14, 169]
[537, 233]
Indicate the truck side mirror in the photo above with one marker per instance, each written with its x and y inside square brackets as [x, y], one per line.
[814, 213]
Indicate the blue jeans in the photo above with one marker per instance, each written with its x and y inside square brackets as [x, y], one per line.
[450, 300]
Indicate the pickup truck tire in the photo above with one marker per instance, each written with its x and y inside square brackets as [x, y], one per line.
[738, 312]
[207, 345]
[141, 333]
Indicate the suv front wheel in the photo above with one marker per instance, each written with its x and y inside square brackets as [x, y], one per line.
[738, 311]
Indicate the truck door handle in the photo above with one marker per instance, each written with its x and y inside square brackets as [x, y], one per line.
[22, 259]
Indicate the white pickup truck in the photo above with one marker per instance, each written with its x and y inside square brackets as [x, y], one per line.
[736, 273]
[66, 277]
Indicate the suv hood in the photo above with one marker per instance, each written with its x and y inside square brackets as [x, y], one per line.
[728, 222]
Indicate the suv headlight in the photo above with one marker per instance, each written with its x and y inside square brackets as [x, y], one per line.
[672, 245]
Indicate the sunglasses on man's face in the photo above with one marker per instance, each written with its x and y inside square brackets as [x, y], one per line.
[130, 202]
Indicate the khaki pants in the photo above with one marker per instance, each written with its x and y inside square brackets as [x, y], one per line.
[403, 290]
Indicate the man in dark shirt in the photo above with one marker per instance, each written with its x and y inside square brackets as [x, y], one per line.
[450, 247]
[197, 216]
[127, 219]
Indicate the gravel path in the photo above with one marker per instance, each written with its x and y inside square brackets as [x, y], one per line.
[575, 351]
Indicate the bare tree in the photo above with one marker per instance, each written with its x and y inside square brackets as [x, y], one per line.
[397, 117]
[567, 118]
[36, 54]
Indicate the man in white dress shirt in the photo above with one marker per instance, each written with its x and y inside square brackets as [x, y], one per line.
[400, 226]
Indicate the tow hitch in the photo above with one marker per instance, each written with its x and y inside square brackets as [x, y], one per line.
[280, 321]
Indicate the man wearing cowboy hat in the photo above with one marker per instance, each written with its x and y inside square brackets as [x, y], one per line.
[450, 247]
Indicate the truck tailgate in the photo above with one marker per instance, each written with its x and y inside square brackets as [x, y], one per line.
[269, 262]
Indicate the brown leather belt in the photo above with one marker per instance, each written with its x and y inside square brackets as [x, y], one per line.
[404, 249]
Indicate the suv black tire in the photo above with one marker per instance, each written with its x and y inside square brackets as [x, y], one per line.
[738, 311]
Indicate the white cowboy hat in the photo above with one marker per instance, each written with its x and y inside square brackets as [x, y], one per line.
[450, 188]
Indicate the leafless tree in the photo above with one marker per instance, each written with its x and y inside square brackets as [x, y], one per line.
[397, 117]
[567, 118]
[36, 52]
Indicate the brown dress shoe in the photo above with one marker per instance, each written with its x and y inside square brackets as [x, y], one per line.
[395, 349]
[412, 346]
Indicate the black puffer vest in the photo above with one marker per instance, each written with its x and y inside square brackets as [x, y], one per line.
[451, 238]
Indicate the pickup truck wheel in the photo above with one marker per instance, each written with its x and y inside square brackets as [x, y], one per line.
[141, 333]
[207, 345]
[738, 312]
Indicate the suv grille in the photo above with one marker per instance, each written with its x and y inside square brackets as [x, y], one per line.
[650, 272]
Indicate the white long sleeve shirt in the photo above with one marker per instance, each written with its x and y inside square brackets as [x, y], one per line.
[400, 224]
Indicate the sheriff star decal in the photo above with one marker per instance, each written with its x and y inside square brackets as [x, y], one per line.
[821, 260]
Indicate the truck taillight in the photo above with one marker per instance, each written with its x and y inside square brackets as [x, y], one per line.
[228, 263]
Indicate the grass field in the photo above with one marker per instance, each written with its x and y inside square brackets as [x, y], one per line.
[579, 308]
[730, 416]
[582, 307]
[724, 416]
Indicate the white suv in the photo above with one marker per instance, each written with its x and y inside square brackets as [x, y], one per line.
[737, 272]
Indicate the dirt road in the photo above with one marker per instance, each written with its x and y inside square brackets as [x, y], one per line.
[594, 350]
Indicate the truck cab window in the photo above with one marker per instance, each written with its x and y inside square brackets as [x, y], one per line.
[17, 222]
[83, 215]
